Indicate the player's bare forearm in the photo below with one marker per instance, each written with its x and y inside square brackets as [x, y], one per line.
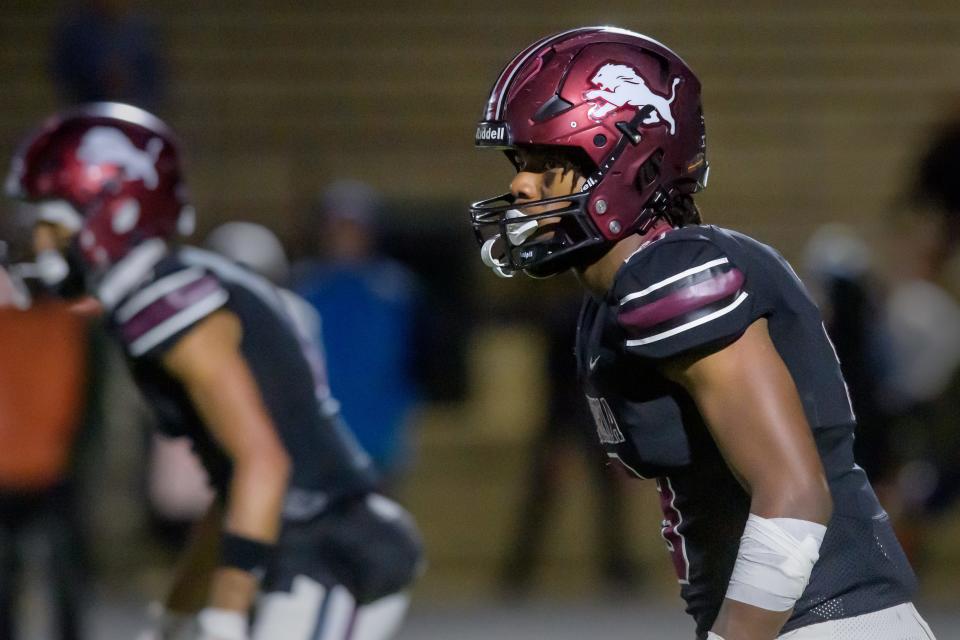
[227, 398]
[752, 408]
[741, 621]
[257, 491]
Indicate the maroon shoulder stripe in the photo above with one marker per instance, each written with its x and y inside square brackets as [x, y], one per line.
[682, 301]
[168, 306]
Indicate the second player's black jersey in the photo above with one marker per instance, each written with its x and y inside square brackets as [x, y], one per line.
[158, 294]
[695, 290]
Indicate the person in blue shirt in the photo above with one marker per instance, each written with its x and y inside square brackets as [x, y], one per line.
[365, 298]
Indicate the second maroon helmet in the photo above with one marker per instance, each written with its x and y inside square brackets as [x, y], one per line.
[108, 172]
[624, 104]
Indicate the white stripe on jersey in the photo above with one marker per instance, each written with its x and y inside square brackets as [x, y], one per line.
[130, 271]
[673, 278]
[231, 272]
[690, 325]
[683, 539]
[173, 324]
[617, 457]
[157, 290]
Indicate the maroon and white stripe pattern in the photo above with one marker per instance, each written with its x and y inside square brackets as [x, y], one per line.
[168, 306]
[681, 302]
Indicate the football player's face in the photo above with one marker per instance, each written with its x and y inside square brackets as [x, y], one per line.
[49, 236]
[541, 175]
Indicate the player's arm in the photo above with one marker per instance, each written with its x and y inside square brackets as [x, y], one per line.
[753, 410]
[189, 590]
[208, 362]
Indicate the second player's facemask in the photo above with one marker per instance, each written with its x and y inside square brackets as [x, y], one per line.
[63, 271]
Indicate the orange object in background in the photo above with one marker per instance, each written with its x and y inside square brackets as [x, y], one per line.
[43, 353]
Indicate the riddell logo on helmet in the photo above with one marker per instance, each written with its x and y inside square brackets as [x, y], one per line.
[107, 145]
[491, 133]
[620, 85]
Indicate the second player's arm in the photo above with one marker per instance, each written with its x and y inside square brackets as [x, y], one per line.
[751, 405]
[209, 364]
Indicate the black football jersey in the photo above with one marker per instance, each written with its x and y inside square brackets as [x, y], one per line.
[696, 290]
[157, 295]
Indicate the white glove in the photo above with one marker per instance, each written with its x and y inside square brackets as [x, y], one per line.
[221, 624]
[712, 636]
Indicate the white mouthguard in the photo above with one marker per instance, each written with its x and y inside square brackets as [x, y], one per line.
[499, 266]
[519, 231]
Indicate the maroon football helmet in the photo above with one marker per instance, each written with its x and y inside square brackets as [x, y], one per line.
[110, 173]
[627, 109]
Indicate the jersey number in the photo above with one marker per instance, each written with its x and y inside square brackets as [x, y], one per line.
[607, 428]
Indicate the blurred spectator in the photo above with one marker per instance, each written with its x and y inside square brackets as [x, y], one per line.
[923, 316]
[368, 304]
[899, 345]
[43, 378]
[257, 248]
[841, 275]
[567, 432]
[107, 50]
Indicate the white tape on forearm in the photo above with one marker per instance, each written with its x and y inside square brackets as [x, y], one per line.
[775, 561]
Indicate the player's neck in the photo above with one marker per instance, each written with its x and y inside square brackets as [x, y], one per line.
[598, 277]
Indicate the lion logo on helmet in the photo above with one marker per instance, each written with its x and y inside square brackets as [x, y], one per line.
[619, 85]
[107, 145]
